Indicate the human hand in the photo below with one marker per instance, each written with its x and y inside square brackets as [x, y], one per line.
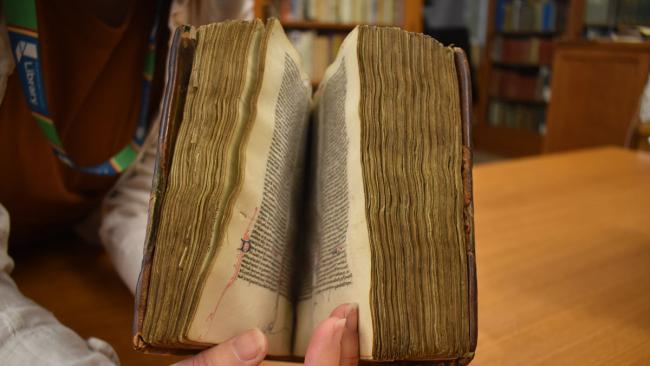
[246, 349]
[336, 339]
[335, 342]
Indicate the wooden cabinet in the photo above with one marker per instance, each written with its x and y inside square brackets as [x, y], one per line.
[595, 93]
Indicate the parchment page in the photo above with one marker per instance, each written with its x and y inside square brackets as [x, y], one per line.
[249, 282]
[339, 241]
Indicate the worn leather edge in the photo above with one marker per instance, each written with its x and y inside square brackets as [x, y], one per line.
[452, 362]
[179, 67]
[465, 89]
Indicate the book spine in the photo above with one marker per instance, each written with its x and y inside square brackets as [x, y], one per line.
[465, 88]
[361, 11]
[538, 16]
[379, 11]
[332, 11]
[285, 10]
[179, 67]
[399, 13]
[339, 11]
[507, 18]
[321, 10]
[533, 51]
[308, 51]
[498, 49]
[499, 15]
[298, 10]
[545, 52]
[311, 10]
[389, 12]
[548, 16]
[372, 12]
[553, 16]
[515, 15]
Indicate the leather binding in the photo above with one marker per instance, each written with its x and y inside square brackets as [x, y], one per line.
[179, 68]
[465, 89]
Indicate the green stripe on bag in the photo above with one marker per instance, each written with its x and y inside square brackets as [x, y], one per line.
[124, 158]
[20, 13]
[48, 130]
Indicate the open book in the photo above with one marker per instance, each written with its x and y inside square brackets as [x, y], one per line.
[270, 207]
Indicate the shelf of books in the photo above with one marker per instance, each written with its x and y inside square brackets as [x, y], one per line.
[614, 19]
[317, 27]
[515, 74]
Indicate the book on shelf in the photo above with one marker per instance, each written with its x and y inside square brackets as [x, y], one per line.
[520, 85]
[600, 13]
[321, 54]
[516, 50]
[270, 207]
[316, 50]
[543, 16]
[339, 11]
[517, 116]
[633, 13]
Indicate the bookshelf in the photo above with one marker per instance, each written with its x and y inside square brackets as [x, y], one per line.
[516, 69]
[318, 32]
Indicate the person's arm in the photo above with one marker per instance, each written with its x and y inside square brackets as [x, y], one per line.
[124, 214]
[31, 335]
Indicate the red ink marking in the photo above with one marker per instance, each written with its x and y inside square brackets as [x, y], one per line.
[245, 248]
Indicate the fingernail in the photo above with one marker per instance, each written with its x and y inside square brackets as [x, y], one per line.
[350, 308]
[249, 345]
[339, 324]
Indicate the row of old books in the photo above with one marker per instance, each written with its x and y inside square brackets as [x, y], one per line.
[520, 85]
[534, 50]
[519, 116]
[530, 15]
[633, 12]
[340, 11]
[600, 13]
[316, 50]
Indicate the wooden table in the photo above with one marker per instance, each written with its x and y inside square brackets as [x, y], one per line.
[563, 250]
[563, 256]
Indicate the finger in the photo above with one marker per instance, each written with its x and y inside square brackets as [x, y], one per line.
[350, 339]
[247, 349]
[325, 346]
[339, 311]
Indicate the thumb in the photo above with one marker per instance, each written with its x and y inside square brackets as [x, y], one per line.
[325, 345]
[246, 349]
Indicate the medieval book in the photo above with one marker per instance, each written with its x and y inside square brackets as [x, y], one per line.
[271, 206]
